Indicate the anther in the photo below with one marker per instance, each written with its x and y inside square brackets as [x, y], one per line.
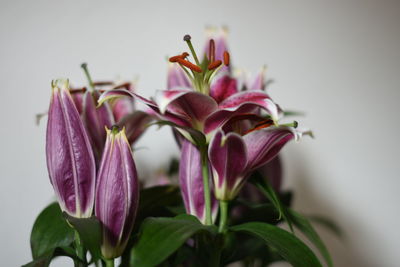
[260, 125]
[175, 58]
[189, 65]
[211, 52]
[214, 65]
[226, 58]
[184, 55]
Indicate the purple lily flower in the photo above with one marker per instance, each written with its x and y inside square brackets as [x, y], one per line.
[234, 157]
[205, 106]
[70, 159]
[117, 193]
[194, 110]
[191, 183]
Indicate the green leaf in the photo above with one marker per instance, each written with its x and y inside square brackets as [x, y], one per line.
[158, 197]
[264, 186]
[157, 201]
[50, 231]
[306, 228]
[42, 261]
[286, 244]
[293, 113]
[45, 259]
[326, 222]
[160, 237]
[89, 230]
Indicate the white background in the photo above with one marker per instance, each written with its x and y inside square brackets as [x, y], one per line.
[339, 61]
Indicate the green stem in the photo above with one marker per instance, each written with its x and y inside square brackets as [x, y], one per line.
[80, 251]
[207, 196]
[196, 59]
[109, 263]
[89, 78]
[223, 221]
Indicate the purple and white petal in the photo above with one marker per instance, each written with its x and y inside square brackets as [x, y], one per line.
[177, 77]
[223, 87]
[228, 158]
[95, 120]
[193, 106]
[263, 145]
[117, 194]
[135, 124]
[191, 182]
[259, 82]
[69, 155]
[257, 98]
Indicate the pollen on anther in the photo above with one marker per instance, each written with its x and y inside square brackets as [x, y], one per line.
[226, 58]
[211, 52]
[175, 58]
[189, 65]
[184, 55]
[260, 125]
[214, 65]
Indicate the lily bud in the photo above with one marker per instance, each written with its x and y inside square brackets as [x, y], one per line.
[70, 160]
[191, 183]
[117, 193]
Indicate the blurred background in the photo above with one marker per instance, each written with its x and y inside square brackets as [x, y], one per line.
[338, 61]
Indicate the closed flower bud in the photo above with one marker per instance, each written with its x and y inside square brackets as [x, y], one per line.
[117, 193]
[70, 160]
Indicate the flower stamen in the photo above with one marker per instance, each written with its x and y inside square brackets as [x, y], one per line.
[214, 65]
[226, 58]
[260, 125]
[211, 52]
[189, 65]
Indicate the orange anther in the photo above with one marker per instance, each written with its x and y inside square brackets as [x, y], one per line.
[189, 65]
[214, 65]
[260, 125]
[175, 58]
[226, 58]
[184, 55]
[211, 52]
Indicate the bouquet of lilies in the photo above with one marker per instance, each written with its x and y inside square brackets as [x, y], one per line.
[225, 205]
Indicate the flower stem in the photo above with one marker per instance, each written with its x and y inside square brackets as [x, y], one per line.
[223, 221]
[109, 263]
[80, 252]
[206, 185]
[89, 78]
